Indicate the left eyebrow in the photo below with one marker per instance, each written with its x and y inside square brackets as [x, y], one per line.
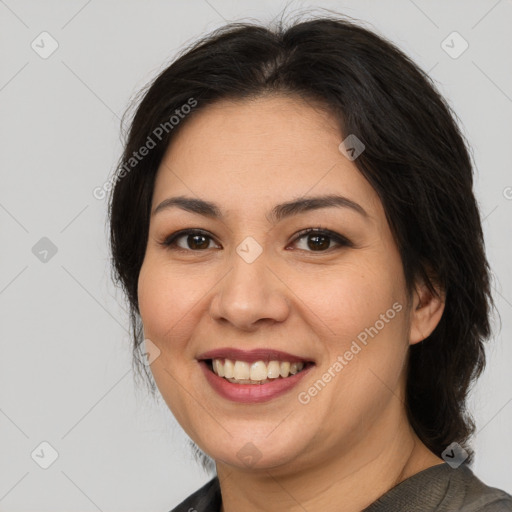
[278, 212]
[283, 210]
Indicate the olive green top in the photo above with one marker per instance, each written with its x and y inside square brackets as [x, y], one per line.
[439, 488]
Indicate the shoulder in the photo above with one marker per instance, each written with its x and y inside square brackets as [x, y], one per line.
[473, 495]
[442, 488]
[205, 499]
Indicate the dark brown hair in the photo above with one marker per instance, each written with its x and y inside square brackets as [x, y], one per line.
[416, 159]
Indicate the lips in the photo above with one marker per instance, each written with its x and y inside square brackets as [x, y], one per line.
[250, 391]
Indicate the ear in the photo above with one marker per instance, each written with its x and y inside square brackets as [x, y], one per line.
[426, 312]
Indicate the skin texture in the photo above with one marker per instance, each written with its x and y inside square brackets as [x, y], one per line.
[352, 441]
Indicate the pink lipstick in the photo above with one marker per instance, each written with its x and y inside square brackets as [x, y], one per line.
[257, 392]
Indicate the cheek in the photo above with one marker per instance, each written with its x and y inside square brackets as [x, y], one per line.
[166, 300]
[364, 309]
[350, 298]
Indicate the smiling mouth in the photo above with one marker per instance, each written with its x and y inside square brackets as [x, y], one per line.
[257, 372]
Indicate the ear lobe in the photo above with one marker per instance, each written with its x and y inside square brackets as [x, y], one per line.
[427, 310]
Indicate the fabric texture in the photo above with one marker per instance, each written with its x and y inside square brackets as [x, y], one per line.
[439, 488]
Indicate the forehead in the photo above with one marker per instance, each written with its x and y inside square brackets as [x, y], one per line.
[265, 149]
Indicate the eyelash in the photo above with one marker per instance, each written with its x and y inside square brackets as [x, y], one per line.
[170, 242]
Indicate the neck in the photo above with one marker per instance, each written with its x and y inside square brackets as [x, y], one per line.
[346, 480]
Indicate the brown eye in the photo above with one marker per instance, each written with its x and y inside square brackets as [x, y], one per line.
[319, 240]
[197, 242]
[188, 240]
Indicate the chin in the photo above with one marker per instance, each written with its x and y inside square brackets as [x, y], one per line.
[253, 452]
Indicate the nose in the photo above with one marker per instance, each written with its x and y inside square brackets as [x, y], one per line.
[250, 295]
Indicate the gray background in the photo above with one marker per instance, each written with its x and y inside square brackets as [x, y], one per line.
[65, 367]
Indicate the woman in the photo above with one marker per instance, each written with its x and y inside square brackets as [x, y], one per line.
[294, 225]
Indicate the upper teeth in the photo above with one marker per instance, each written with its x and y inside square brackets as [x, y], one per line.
[258, 371]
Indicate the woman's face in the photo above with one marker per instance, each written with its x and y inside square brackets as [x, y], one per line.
[250, 281]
